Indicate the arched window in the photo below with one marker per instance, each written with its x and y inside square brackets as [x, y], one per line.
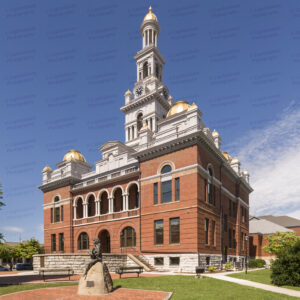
[79, 209]
[166, 169]
[91, 206]
[166, 185]
[133, 197]
[56, 210]
[83, 241]
[118, 200]
[210, 188]
[139, 121]
[145, 70]
[128, 237]
[104, 203]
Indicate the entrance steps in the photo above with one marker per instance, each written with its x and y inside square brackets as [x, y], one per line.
[142, 262]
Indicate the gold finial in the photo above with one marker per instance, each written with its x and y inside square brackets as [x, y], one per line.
[150, 15]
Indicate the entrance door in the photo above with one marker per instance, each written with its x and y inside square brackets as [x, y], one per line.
[104, 238]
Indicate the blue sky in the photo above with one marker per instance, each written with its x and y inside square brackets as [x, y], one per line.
[65, 65]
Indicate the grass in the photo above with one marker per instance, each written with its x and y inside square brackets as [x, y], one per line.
[8, 289]
[190, 288]
[261, 276]
[183, 288]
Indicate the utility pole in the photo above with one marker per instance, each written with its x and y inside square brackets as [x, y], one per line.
[246, 239]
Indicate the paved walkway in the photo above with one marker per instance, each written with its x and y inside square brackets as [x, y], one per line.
[70, 293]
[267, 287]
[35, 278]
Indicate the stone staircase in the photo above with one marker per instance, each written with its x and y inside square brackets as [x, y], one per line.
[142, 259]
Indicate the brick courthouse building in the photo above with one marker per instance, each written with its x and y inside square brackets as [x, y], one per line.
[167, 195]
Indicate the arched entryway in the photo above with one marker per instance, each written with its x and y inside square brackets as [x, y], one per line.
[104, 238]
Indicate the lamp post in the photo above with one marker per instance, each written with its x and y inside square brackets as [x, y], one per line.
[246, 239]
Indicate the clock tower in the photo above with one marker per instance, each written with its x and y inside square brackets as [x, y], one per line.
[149, 100]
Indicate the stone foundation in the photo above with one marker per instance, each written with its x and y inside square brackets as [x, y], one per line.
[187, 261]
[78, 262]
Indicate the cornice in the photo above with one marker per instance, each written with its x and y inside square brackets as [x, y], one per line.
[144, 99]
[186, 141]
[148, 50]
[59, 183]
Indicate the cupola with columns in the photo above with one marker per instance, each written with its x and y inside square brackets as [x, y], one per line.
[149, 101]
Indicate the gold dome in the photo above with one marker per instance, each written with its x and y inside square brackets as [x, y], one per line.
[179, 107]
[215, 133]
[235, 160]
[227, 156]
[74, 155]
[47, 169]
[150, 15]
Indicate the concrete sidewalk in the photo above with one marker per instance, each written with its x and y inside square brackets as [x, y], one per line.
[271, 288]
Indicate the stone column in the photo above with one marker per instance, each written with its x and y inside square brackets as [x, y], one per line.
[154, 124]
[110, 205]
[74, 211]
[153, 37]
[97, 203]
[125, 202]
[85, 213]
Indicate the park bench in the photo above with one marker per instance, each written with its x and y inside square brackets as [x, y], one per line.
[56, 271]
[122, 270]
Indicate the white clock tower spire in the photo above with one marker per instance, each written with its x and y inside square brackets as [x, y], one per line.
[150, 100]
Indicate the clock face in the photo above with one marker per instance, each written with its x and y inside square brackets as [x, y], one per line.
[165, 93]
[139, 91]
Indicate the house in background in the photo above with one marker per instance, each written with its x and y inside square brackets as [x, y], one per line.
[285, 221]
[259, 229]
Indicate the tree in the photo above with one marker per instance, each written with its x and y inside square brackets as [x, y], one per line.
[26, 250]
[285, 269]
[279, 241]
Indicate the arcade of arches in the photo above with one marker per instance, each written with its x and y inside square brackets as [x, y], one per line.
[106, 204]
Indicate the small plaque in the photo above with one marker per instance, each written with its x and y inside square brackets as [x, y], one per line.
[89, 283]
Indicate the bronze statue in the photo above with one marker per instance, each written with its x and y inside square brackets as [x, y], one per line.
[96, 256]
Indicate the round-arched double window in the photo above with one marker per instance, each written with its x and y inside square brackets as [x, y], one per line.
[128, 237]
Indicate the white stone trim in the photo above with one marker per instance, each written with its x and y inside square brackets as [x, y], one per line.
[112, 220]
[57, 203]
[85, 201]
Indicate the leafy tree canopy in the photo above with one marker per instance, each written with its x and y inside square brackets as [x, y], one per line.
[279, 241]
[29, 248]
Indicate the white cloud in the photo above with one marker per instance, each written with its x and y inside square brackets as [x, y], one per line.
[295, 214]
[272, 157]
[13, 229]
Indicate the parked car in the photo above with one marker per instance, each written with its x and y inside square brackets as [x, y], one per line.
[3, 268]
[25, 266]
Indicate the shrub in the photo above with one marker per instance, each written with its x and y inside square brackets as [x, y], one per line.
[285, 269]
[256, 263]
[228, 266]
[211, 269]
[260, 262]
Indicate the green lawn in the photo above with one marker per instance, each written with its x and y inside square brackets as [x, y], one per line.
[183, 288]
[262, 276]
[33, 286]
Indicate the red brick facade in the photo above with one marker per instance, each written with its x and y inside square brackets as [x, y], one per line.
[225, 229]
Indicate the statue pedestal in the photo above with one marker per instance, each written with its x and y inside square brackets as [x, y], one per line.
[97, 281]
